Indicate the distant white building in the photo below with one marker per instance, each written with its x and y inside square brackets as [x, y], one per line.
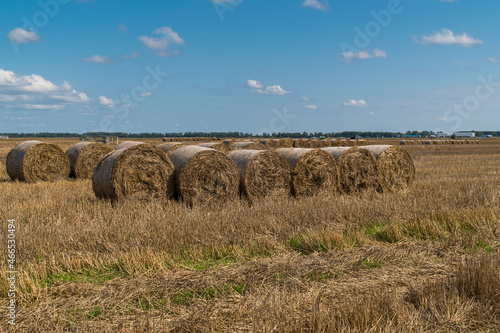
[463, 134]
[443, 135]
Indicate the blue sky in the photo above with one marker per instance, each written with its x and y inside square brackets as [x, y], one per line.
[249, 65]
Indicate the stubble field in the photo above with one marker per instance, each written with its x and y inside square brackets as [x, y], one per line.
[426, 260]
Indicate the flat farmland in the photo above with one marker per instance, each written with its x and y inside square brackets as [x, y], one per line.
[425, 260]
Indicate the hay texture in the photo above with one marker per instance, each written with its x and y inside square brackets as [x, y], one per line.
[224, 147]
[171, 146]
[357, 168]
[128, 144]
[83, 158]
[314, 171]
[204, 175]
[262, 173]
[395, 165]
[249, 145]
[141, 171]
[35, 161]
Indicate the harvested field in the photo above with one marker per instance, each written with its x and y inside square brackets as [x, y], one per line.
[424, 260]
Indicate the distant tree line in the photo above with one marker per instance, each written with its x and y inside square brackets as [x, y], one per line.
[345, 134]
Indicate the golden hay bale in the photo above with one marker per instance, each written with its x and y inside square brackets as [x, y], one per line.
[139, 172]
[316, 144]
[262, 173]
[357, 168]
[249, 145]
[288, 143]
[428, 142]
[128, 144]
[395, 165]
[269, 143]
[224, 147]
[34, 161]
[83, 158]
[204, 175]
[298, 143]
[402, 142]
[314, 171]
[171, 146]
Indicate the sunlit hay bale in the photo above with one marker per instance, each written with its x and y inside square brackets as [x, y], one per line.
[171, 146]
[249, 145]
[337, 143]
[262, 173]
[288, 143]
[165, 139]
[315, 144]
[83, 158]
[314, 171]
[270, 143]
[128, 144]
[346, 143]
[395, 166]
[141, 171]
[402, 142]
[35, 161]
[427, 142]
[477, 141]
[204, 175]
[357, 169]
[224, 147]
[297, 143]
[434, 142]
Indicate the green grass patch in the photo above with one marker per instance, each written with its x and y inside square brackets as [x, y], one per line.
[94, 313]
[370, 264]
[380, 232]
[99, 275]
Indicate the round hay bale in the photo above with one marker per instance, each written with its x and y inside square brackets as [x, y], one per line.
[224, 147]
[288, 143]
[262, 173]
[171, 146]
[229, 141]
[204, 175]
[128, 144]
[83, 158]
[298, 143]
[268, 142]
[402, 142]
[35, 161]
[428, 142]
[395, 165]
[249, 145]
[141, 171]
[357, 168]
[314, 171]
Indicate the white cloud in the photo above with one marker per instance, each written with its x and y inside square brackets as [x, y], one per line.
[316, 4]
[123, 28]
[361, 103]
[311, 107]
[148, 94]
[21, 36]
[304, 98]
[371, 113]
[447, 37]
[97, 59]
[36, 93]
[160, 44]
[257, 87]
[255, 84]
[106, 101]
[494, 60]
[347, 57]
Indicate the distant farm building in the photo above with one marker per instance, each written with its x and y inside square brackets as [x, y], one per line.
[465, 134]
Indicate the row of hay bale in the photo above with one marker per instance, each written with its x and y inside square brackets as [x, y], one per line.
[438, 142]
[195, 173]
[184, 139]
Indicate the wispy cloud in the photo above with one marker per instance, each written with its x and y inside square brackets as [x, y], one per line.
[361, 103]
[311, 107]
[21, 36]
[316, 4]
[447, 37]
[133, 55]
[97, 59]
[161, 41]
[347, 57]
